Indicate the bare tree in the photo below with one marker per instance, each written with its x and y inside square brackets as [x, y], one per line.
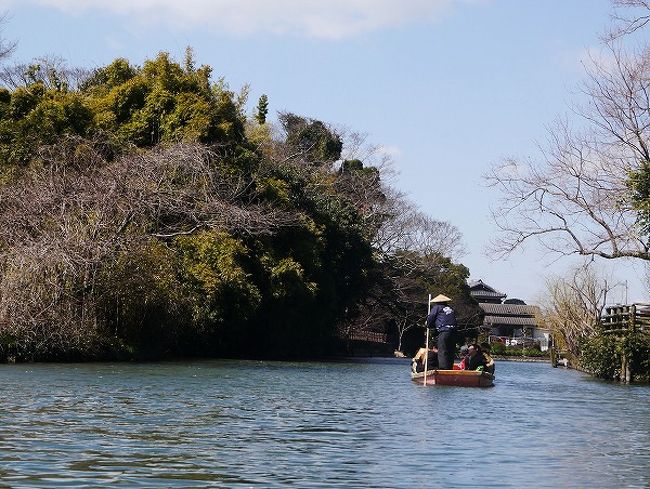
[6, 47]
[356, 146]
[576, 199]
[70, 217]
[575, 307]
[410, 247]
[406, 228]
[629, 17]
[52, 71]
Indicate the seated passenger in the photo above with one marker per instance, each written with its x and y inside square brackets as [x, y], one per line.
[463, 358]
[489, 361]
[417, 364]
[475, 359]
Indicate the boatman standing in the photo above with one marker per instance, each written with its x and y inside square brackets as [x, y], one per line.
[443, 318]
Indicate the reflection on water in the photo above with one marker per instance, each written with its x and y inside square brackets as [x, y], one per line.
[347, 424]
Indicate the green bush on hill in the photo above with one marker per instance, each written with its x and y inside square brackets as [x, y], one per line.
[147, 216]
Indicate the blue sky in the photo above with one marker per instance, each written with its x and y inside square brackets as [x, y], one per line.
[447, 87]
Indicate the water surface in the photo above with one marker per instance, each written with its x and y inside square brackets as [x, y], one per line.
[349, 424]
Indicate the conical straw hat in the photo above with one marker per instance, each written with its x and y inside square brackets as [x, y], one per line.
[440, 298]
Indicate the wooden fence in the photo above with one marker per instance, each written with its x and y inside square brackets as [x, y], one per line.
[625, 319]
[370, 336]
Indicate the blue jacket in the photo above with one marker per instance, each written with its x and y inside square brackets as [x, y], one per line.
[442, 317]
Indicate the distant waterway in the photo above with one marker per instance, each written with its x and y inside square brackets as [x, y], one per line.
[349, 424]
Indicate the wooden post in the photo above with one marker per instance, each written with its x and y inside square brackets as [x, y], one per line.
[629, 332]
[553, 357]
[625, 369]
[426, 343]
[628, 329]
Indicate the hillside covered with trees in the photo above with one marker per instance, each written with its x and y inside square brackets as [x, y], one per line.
[147, 215]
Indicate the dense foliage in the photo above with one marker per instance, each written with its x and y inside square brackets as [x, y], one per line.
[603, 355]
[147, 216]
[575, 316]
[639, 183]
[514, 351]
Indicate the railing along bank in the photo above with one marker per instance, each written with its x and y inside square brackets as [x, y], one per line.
[623, 320]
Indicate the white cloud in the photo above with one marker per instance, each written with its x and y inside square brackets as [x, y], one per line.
[577, 60]
[316, 18]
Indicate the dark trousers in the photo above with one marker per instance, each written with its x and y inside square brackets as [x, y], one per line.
[446, 350]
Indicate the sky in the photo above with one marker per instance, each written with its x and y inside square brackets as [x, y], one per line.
[448, 88]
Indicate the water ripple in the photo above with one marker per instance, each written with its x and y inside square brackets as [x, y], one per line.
[311, 425]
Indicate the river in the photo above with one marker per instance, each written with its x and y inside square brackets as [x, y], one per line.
[349, 424]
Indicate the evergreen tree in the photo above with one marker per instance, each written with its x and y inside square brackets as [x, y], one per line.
[262, 109]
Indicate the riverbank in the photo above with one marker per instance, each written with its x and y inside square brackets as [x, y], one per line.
[522, 359]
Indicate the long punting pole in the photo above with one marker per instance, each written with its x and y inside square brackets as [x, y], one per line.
[426, 343]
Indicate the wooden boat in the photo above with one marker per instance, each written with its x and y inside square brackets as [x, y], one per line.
[457, 377]
[461, 378]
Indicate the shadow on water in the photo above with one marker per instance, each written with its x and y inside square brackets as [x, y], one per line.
[345, 423]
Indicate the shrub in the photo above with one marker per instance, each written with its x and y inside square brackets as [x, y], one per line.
[636, 346]
[533, 352]
[601, 357]
[141, 300]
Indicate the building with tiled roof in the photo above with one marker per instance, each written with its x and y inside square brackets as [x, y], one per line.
[482, 292]
[510, 320]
